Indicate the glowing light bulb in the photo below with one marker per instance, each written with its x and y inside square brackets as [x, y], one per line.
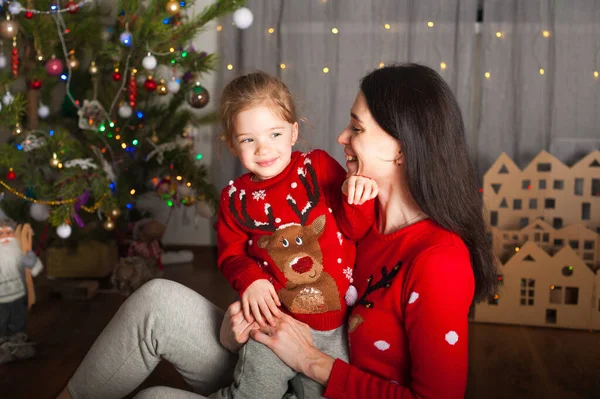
[546, 33]
[282, 66]
[271, 30]
[430, 24]
[542, 71]
[387, 26]
[230, 67]
[325, 70]
[219, 28]
[498, 34]
[487, 75]
[335, 31]
[443, 65]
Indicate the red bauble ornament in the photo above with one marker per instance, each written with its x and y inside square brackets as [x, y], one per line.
[14, 61]
[28, 14]
[116, 76]
[54, 66]
[150, 84]
[11, 175]
[72, 7]
[35, 84]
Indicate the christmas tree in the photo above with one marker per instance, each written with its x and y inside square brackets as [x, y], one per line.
[121, 130]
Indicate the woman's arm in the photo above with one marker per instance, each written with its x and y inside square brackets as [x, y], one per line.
[291, 341]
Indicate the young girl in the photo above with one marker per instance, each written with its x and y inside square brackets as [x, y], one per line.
[282, 233]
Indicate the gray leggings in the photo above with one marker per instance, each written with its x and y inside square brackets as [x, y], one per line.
[164, 320]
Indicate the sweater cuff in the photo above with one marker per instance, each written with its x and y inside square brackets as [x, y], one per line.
[245, 280]
[29, 259]
[337, 380]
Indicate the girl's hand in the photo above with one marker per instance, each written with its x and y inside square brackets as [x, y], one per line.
[359, 189]
[260, 299]
[235, 329]
[291, 341]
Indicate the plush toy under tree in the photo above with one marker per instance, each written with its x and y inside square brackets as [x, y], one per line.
[18, 264]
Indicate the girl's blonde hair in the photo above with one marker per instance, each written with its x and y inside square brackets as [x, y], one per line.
[253, 90]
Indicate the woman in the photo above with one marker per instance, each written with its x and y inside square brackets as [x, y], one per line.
[418, 268]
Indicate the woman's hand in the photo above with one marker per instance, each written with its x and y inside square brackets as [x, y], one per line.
[291, 341]
[260, 299]
[359, 189]
[235, 329]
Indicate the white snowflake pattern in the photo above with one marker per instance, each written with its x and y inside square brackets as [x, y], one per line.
[259, 195]
[294, 185]
[339, 237]
[348, 273]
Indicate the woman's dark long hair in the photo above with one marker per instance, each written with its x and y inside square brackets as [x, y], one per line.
[413, 104]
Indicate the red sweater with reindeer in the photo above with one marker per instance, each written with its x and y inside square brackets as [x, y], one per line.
[284, 230]
[408, 330]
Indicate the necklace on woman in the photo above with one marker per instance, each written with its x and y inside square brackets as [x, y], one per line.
[410, 220]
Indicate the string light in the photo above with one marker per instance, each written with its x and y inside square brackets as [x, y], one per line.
[381, 65]
[552, 287]
[325, 70]
[230, 67]
[91, 209]
[596, 74]
[498, 35]
[54, 8]
[132, 192]
[546, 33]
[443, 65]
[387, 26]
[335, 31]
[517, 249]
[179, 178]
[189, 184]
[219, 28]
[282, 66]
[487, 75]
[430, 24]
[271, 30]
[542, 71]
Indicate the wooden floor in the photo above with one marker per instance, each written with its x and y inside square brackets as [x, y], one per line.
[504, 361]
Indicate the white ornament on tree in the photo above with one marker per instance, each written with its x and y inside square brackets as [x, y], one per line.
[3, 61]
[8, 98]
[64, 231]
[39, 212]
[125, 111]
[243, 18]
[149, 62]
[173, 86]
[43, 111]
[15, 7]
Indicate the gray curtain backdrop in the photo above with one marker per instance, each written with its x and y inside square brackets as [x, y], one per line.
[516, 110]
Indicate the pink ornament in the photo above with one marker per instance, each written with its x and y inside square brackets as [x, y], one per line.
[54, 67]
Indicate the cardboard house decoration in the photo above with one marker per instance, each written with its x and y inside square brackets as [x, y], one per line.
[544, 226]
[545, 189]
[538, 289]
[584, 242]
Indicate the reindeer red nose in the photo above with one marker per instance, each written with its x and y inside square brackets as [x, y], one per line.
[303, 264]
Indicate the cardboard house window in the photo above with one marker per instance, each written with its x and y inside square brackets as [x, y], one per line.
[557, 223]
[558, 242]
[589, 245]
[517, 204]
[567, 271]
[549, 203]
[533, 203]
[527, 292]
[542, 184]
[526, 184]
[536, 237]
[578, 186]
[503, 170]
[556, 295]
[546, 237]
[551, 316]
[558, 184]
[523, 222]
[588, 256]
[585, 211]
[574, 244]
[496, 187]
[503, 203]
[571, 295]
[494, 218]
[544, 167]
[596, 187]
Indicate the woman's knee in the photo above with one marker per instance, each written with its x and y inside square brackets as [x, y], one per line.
[165, 393]
[153, 295]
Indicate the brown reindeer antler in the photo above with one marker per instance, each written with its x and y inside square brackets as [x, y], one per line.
[313, 192]
[386, 281]
[245, 219]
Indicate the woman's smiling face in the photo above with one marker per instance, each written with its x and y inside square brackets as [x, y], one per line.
[370, 151]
